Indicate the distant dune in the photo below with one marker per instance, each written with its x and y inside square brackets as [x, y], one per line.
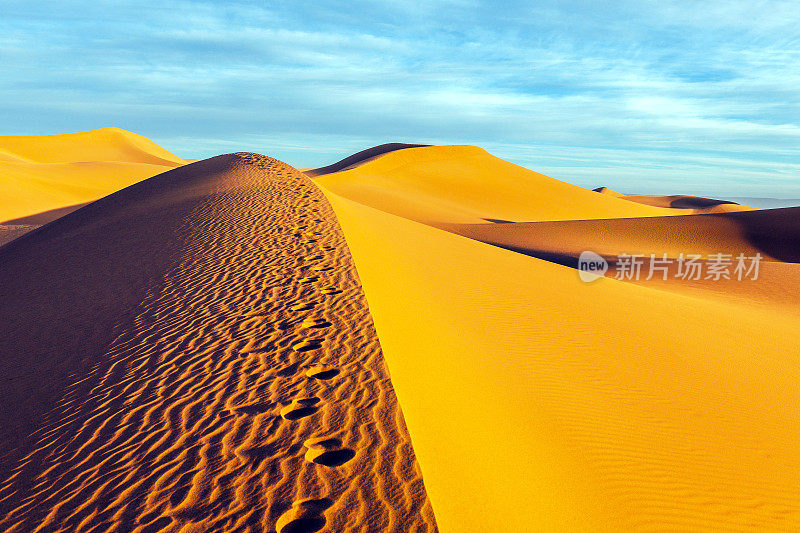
[402, 343]
[466, 184]
[52, 173]
[681, 201]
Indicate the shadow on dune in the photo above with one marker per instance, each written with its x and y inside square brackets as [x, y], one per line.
[775, 233]
[361, 157]
[696, 202]
[45, 216]
[110, 253]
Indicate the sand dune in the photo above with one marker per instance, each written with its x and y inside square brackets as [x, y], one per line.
[770, 232]
[538, 402]
[360, 158]
[195, 353]
[200, 357]
[465, 184]
[41, 173]
[681, 201]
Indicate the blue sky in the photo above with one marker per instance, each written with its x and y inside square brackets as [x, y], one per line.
[645, 97]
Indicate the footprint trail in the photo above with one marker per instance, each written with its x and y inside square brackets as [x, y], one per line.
[209, 407]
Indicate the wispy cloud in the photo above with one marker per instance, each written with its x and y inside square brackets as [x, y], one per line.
[645, 97]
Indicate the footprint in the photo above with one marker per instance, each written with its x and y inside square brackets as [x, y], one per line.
[305, 516]
[322, 268]
[305, 346]
[331, 290]
[300, 408]
[322, 372]
[308, 279]
[327, 452]
[315, 323]
[303, 306]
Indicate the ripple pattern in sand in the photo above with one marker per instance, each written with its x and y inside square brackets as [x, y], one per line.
[248, 393]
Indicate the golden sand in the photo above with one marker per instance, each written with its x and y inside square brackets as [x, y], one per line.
[195, 353]
[200, 357]
[537, 402]
[43, 177]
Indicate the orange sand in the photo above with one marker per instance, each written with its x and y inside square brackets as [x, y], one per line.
[41, 173]
[195, 353]
[537, 402]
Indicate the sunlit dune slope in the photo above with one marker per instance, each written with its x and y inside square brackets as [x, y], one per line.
[40, 173]
[538, 402]
[195, 353]
[466, 184]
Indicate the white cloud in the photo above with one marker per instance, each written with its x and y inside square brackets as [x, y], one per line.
[647, 94]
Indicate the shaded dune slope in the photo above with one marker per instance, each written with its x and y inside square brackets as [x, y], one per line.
[359, 158]
[772, 232]
[200, 358]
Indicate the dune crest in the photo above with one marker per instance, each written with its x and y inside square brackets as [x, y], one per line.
[360, 158]
[200, 358]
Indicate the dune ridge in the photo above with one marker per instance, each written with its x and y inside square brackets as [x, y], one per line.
[359, 158]
[200, 358]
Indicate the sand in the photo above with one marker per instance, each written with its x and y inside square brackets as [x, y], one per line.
[681, 201]
[47, 176]
[199, 358]
[401, 343]
[537, 402]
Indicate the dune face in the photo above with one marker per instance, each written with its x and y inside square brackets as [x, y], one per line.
[195, 353]
[538, 402]
[465, 184]
[45, 175]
